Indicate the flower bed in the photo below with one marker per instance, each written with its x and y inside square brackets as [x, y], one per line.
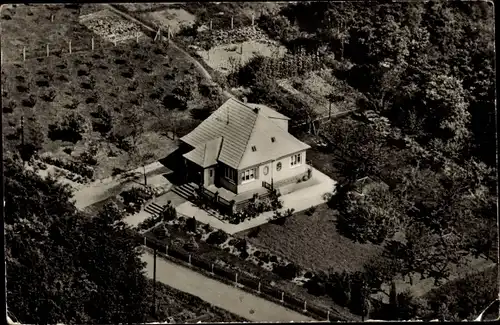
[84, 171]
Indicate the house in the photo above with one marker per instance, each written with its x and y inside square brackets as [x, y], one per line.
[243, 147]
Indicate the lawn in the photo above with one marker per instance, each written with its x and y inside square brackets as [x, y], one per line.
[313, 242]
[130, 75]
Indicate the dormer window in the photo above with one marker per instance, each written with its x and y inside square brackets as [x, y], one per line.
[254, 148]
[273, 139]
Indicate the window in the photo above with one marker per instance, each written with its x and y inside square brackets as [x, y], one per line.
[273, 139]
[266, 170]
[295, 160]
[254, 148]
[230, 174]
[278, 166]
[248, 175]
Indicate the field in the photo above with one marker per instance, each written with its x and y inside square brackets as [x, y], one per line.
[313, 242]
[31, 26]
[131, 75]
[224, 58]
[315, 87]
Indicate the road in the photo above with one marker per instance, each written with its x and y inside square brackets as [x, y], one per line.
[172, 44]
[219, 294]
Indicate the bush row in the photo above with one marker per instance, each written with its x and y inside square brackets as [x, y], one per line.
[75, 167]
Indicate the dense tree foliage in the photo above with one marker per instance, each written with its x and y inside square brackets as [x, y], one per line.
[428, 65]
[63, 266]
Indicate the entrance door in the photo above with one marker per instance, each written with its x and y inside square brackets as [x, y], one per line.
[211, 176]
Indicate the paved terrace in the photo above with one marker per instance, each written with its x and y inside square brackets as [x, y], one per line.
[300, 199]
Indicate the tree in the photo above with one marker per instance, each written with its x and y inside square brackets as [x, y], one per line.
[80, 269]
[33, 138]
[138, 156]
[130, 124]
[373, 217]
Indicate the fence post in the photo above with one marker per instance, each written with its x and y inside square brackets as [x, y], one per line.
[327, 315]
[236, 279]
[168, 33]
[212, 269]
[92, 43]
[253, 21]
[258, 289]
[69, 46]
[145, 244]
[210, 24]
[24, 53]
[282, 296]
[166, 249]
[51, 18]
[305, 306]
[47, 50]
[189, 257]
[232, 22]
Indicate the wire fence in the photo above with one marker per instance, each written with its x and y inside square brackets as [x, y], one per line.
[243, 281]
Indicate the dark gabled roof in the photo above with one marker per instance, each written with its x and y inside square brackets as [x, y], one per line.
[240, 126]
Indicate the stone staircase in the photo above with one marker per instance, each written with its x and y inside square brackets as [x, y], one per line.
[153, 208]
[185, 191]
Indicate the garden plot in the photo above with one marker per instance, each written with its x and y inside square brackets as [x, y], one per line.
[175, 18]
[315, 87]
[110, 26]
[225, 58]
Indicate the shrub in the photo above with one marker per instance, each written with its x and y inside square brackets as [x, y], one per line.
[89, 156]
[191, 224]
[42, 83]
[69, 129]
[254, 232]
[207, 228]
[8, 107]
[241, 245]
[310, 211]
[169, 213]
[49, 96]
[135, 198]
[274, 259]
[22, 89]
[68, 150]
[82, 72]
[244, 255]
[29, 102]
[217, 238]
[287, 272]
[256, 253]
[315, 286]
